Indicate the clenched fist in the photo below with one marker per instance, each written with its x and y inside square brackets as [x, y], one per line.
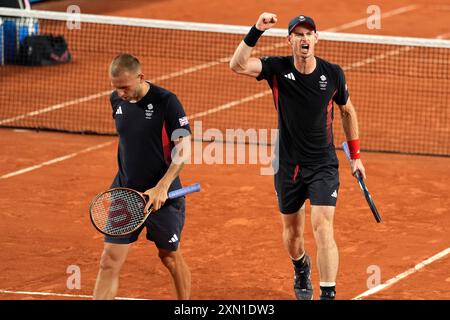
[266, 21]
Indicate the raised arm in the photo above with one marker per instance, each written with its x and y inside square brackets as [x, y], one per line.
[242, 62]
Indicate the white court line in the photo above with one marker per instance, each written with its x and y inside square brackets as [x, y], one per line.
[376, 58]
[403, 275]
[443, 36]
[385, 55]
[108, 92]
[56, 160]
[59, 295]
[55, 107]
[364, 20]
[230, 104]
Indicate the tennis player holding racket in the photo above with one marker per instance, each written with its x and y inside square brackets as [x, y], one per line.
[304, 88]
[150, 122]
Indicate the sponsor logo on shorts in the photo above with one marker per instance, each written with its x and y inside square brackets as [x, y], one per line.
[173, 239]
[334, 194]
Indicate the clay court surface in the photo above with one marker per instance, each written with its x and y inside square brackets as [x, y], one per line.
[232, 237]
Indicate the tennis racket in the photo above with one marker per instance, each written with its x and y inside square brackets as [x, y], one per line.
[363, 187]
[120, 211]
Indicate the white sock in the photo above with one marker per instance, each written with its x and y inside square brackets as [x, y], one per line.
[298, 257]
[327, 284]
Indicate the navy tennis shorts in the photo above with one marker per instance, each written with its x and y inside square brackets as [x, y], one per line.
[295, 184]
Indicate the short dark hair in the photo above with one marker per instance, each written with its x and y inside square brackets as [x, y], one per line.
[124, 62]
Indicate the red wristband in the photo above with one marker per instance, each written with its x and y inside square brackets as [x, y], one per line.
[353, 147]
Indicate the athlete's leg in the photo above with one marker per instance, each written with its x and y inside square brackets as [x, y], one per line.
[293, 240]
[293, 230]
[291, 194]
[181, 275]
[327, 252]
[112, 259]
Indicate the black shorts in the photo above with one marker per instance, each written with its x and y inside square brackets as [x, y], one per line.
[295, 184]
[164, 227]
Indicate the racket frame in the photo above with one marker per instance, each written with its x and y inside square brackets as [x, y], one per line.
[171, 195]
[363, 187]
[94, 201]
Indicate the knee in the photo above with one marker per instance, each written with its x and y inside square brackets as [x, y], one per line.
[324, 235]
[110, 262]
[292, 233]
[168, 260]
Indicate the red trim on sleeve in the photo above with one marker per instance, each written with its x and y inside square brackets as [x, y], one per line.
[167, 145]
[330, 119]
[295, 173]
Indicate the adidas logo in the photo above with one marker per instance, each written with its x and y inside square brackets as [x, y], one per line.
[290, 76]
[119, 110]
[173, 239]
[334, 194]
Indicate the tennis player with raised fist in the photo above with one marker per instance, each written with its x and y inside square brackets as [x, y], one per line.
[304, 89]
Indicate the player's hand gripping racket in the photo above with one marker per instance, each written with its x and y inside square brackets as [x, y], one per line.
[363, 187]
[120, 211]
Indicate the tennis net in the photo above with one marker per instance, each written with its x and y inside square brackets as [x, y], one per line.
[399, 86]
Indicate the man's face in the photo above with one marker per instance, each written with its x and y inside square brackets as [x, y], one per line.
[127, 85]
[303, 40]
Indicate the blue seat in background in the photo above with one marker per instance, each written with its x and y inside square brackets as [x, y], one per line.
[14, 31]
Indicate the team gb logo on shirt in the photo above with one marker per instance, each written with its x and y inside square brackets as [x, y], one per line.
[149, 111]
[323, 82]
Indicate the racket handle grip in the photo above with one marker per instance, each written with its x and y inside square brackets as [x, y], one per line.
[346, 150]
[184, 191]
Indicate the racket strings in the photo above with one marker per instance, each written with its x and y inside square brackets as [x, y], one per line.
[118, 211]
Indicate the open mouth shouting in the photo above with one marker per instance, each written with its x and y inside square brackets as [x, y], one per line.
[304, 48]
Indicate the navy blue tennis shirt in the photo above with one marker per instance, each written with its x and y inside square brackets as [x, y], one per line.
[145, 131]
[305, 108]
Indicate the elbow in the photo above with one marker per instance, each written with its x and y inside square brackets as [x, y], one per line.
[344, 114]
[236, 67]
[348, 112]
[233, 66]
